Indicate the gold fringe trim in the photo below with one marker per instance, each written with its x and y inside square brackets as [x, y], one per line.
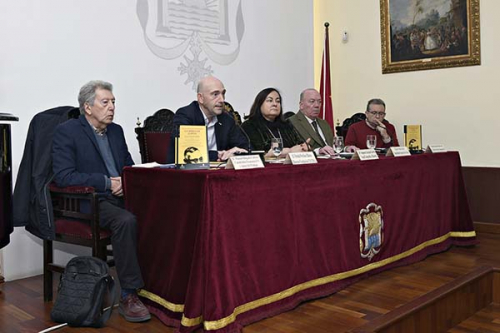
[218, 324]
[157, 299]
[187, 322]
[465, 234]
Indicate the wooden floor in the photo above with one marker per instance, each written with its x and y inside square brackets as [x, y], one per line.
[22, 308]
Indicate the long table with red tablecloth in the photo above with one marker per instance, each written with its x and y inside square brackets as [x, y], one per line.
[220, 249]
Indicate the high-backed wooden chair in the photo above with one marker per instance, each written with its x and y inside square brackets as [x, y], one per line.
[154, 136]
[74, 227]
[235, 114]
[288, 114]
[342, 130]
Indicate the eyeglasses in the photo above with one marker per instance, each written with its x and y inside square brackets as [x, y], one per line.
[375, 113]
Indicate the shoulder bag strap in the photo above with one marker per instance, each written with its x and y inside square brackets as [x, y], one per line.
[112, 290]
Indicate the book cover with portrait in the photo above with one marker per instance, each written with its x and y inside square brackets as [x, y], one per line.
[192, 148]
[413, 137]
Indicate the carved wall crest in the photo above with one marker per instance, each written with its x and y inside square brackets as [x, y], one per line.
[197, 30]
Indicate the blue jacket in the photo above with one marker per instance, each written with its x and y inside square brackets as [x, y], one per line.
[76, 158]
[227, 133]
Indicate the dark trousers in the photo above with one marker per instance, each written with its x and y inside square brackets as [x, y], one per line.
[123, 226]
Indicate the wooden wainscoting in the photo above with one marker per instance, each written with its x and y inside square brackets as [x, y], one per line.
[483, 190]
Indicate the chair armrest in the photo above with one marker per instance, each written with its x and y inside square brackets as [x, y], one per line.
[72, 189]
[67, 205]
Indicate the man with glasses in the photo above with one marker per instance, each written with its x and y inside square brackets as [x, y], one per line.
[375, 124]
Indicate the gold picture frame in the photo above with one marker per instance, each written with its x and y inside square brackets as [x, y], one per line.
[423, 34]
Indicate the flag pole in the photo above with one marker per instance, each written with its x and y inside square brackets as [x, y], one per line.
[324, 65]
[325, 84]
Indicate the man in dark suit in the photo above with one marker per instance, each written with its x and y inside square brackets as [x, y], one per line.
[307, 123]
[224, 137]
[91, 151]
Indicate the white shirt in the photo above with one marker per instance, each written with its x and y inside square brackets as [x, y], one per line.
[211, 141]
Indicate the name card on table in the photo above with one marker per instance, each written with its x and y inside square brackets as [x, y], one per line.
[243, 162]
[365, 155]
[301, 158]
[435, 149]
[398, 151]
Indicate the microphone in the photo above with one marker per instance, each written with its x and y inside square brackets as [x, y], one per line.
[309, 148]
[246, 135]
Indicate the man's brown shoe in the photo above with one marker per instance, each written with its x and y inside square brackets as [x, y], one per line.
[133, 309]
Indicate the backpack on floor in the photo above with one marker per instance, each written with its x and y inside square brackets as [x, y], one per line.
[84, 287]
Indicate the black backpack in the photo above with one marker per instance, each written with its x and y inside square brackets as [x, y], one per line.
[82, 292]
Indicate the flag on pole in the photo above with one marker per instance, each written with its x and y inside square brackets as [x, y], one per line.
[325, 86]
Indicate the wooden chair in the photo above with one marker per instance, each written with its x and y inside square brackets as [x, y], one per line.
[62, 219]
[342, 130]
[74, 227]
[154, 137]
[288, 114]
[233, 113]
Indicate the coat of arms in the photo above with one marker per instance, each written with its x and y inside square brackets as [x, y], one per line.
[371, 226]
[212, 27]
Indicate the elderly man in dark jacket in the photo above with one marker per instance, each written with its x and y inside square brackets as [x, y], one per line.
[91, 151]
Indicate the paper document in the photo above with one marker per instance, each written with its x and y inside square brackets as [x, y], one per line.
[154, 165]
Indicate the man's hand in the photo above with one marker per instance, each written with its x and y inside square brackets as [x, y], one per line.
[305, 146]
[302, 147]
[326, 150]
[382, 130]
[225, 154]
[116, 186]
[351, 149]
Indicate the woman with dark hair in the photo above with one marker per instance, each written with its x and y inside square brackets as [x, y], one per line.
[265, 122]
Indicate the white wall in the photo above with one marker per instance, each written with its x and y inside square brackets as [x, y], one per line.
[50, 48]
[456, 106]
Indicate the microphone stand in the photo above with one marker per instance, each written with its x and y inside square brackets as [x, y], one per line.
[246, 135]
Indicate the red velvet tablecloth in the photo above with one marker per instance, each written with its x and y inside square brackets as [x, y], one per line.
[220, 249]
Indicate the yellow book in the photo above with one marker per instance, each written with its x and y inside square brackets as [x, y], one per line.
[413, 137]
[191, 148]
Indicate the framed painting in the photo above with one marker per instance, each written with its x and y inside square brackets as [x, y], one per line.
[429, 34]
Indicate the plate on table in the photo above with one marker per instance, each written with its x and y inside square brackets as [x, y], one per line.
[346, 155]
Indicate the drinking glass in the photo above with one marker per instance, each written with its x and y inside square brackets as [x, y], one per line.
[371, 141]
[276, 146]
[338, 144]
